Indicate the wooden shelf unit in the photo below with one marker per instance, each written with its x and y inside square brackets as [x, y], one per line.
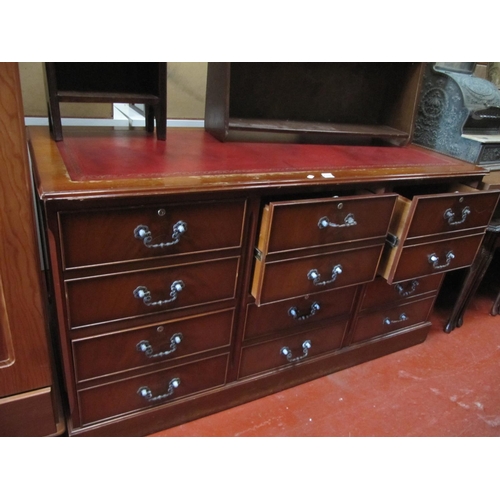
[139, 83]
[321, 102]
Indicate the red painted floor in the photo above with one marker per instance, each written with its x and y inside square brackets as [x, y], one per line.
[447, 386]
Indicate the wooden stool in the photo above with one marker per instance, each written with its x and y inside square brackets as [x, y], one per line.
[139, 83]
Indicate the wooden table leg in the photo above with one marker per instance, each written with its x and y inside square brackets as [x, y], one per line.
[472, 281]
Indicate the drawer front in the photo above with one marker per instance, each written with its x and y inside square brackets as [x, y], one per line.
[118, 296]
[126, 350]
[436, 257]
[298, 277]
[390, 319]
[288, 351]
[311, 223]
[298, 312]
[145, 391]
[379, 292]
[106, 236]
[451, 212]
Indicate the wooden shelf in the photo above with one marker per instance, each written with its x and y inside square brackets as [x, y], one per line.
[342, 102]
[71, 96]
[372, 131]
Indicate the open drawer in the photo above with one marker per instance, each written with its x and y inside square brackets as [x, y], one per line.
[307, 246]
[300, 224]
[438, 232]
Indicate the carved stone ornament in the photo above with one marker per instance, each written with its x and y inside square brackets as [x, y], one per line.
[490, 154]
[494, 73]
[448, 99]
[477, 92]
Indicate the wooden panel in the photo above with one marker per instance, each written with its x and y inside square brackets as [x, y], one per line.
[124, 396]
[289, 278]
[120, 351]
[390, 319]
[311, 223]
[415, 260]
[429, 215]
[30, 414]
[109, 235]
[26, 364]
[6, 347]
[435, 215]
[269, 355]
[310, 309]
[379, 292]
[111, 297]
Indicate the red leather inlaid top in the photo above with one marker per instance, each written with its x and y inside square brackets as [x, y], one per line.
[107, 154]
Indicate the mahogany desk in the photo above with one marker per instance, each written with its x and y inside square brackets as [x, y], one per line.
[189, 276]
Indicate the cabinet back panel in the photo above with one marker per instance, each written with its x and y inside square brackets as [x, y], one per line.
[139, 78]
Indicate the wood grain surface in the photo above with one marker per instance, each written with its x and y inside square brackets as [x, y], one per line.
[24, 358]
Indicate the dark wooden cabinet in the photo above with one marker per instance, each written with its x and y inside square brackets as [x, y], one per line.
[290, 263]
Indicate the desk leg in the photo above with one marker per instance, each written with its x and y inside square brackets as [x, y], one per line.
[496, 305]
[472, 281]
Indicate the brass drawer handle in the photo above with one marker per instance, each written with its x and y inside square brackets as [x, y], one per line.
[306, 345]
[315, 276]
[145, 347]
[434, 260]
[146, 393]
[449, 215]
[143, 233]
[348, 221]
[409, 288]
[402, 317]
[294, 312]
[141, 292]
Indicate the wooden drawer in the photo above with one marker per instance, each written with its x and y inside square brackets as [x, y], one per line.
[118, 296]
[114, 235]
[277, 280]
[421, 219]
[272, 355]
[435, 257]
[144, 391]
[297, 313]
[379, 292]
[459, 209]
[120, 351]
[390, 319]
[314, 223]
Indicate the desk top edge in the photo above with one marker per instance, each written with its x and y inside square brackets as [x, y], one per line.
[343, 166]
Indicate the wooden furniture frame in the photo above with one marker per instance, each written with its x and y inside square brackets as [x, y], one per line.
[139, 83]
[30, 403]
[212, 274]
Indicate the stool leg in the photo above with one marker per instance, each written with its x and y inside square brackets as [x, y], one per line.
[161, 110]
[150, 118]
[161, 123]
[53, 109]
